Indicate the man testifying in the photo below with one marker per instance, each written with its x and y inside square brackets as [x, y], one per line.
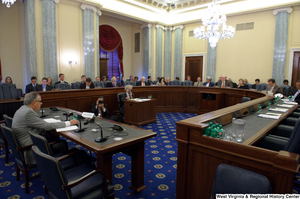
[26, 119]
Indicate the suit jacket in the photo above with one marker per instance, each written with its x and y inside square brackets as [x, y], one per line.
[277, 89]
[227, 83]
[60, 82]
[253, 86]
[139, 83]
[122, 98]
[29, 88]
[83, 85]
[40, 87]
[243, 87]
[210, 84]
[26, 119]
[297, 99]
[150, 82]
[109, 84]
[94, 110]
[198, 84]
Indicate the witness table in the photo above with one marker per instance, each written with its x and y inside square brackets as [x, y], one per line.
[132, 144]
[140, 111]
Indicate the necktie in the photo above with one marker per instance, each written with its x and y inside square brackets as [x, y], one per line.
[198, 84]
[44, 88]
[223, 85]
[99, 112]
[143, 84]
[296, 94]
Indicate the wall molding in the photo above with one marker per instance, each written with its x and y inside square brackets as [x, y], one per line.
[146, 25]
[287, 9]
[89, 7]
[175, 27]
[169, 28]
[160, 26]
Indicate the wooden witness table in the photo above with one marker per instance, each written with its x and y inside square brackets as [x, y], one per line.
[139, 113]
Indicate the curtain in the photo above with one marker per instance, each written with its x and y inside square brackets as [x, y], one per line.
[111, 40]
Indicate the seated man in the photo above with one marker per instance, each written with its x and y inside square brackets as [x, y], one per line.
[97, 78]
[273, 88]
[257, 81]
[99, 108]
[136, 79]
[125, 96]
[44, 86]
[208, 82]
[32, 86]
[286, 82]
[113, 83]
[83, 78]
[87, 84]
[168, 81]
[188, 78]
[143, 82]
[296, 94]
[150, 80]
[177, 78]
[223, 82]
[61, 79]
[198, 82]
[26, 119]
[104, 78]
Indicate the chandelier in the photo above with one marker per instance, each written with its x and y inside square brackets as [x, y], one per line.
[212, 20]
[8, 2]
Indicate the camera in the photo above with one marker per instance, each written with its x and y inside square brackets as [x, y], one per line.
[100, 102]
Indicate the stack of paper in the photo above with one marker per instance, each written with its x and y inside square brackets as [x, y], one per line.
[269, 116]
[285, 105]
[276, 114]
[291, 103]
[283, 110]
[69, 128]
[87, 115]
[51, 120]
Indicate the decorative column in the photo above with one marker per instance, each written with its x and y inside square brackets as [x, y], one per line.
[211, 61]
[30, 38]
[147, 42]
[49, 38]
[178, 51]
[89, 39]
[280, 43]
[99, 13]
[158, 50]
[168, 52]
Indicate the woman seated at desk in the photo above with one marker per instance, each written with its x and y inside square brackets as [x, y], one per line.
[242, 85]
[161, 82]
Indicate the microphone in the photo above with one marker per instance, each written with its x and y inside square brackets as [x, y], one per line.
[42, 116]
[101, 138]
[67, 114]
[80, 118]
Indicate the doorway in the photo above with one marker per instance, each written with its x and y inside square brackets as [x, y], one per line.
[194, 67]
[296, 68]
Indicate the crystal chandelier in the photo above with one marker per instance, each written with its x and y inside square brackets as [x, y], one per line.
[213, 20]
[8, 2]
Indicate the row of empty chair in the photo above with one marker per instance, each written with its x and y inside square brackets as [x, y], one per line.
[9, 91]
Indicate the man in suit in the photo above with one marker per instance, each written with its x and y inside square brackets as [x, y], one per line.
[150, 80]
[32, 86]
[168, 81]
[208, 82]
[143, 82]
[136, 78]
[87, 84]
[296, 93]
[97, 78]
[188, 78]
[83, 78]
[26, 119]
[113, 83]
[61, 79]
[198, 82]
[286, 82]
[273, 88]
[44, 86]
[257, 81]
[177, 78]
[99, 108]
[223, 82]
[125, 96]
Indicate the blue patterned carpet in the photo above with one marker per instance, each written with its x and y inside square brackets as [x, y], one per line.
[160, 167]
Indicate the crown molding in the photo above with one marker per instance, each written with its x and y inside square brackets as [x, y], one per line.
[176, 27]
[169, 28]
[160, 26]
[146, 25]
[287, 9]
[93, 8]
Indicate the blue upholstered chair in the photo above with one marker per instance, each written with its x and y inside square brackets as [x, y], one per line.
[264, 86]
[249, 85]
[82, 181]
[99, 84]
[245, 99]
[75, 85]
[234, 180]
[4, 145]
[285, 89]
[68, 158]
[187, 83]
[129, 83]
[175, 83]
[8, 91]
[20, 93]
[62, 86]
[18, 153]
[8, 120]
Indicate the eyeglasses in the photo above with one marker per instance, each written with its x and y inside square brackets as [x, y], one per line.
[39, 101]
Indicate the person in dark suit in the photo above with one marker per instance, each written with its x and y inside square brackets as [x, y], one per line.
[296, 93]
[143, 82]
[136, 79]
[273, 88]
[61, 79]
[208, 82]
[242, 85]
[224, 83]
[87, 84]
[168, 81]
[99, 108]
[125, 96]
[113, 83]
[83, 79]
[32, 86]
[257, 81]
[150, 80]
[26, 119]
[44, 86]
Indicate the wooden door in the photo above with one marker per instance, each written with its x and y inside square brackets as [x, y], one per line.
[103, 67]
[296, 68]
[193, 67]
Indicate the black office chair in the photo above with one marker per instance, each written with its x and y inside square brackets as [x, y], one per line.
[8, 91]
[234, 180]
[62, 86]
[75, 85]
[8, 120]
[99, 84]
[18, 153]
[245, 99]
[82, 181]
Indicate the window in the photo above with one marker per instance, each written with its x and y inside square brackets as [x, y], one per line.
[113, 65]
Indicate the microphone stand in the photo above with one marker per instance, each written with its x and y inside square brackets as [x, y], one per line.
[100, 139]
[79, 117]
[42, 116]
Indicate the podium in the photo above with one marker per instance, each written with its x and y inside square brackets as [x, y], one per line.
[139, 113]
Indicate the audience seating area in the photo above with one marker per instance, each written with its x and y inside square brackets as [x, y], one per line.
[9, 91]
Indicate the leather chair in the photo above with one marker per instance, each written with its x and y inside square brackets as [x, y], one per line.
[129, 83]
[264, 86]
[249, 85]
[8, 120]
[234, 180]
[75, 85]
[245, 99]
[187, 83]
[62, 86]
[17, 151]
[99, 84]
[20, 93]
[4, 145]
[286, 90]
[68, 159]
[8, 91]
[175, 83]
[82, 181]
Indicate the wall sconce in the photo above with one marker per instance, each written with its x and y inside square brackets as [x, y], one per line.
[72, 62]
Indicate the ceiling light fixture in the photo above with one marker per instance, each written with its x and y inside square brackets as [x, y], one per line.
[8, 2]
[212, 20]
